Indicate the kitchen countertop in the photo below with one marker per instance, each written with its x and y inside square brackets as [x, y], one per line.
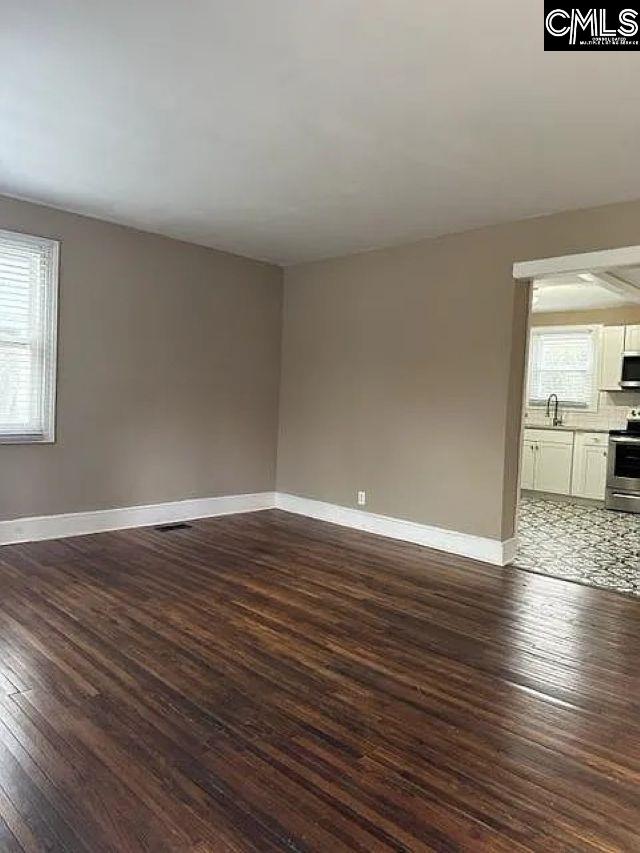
[565, 428]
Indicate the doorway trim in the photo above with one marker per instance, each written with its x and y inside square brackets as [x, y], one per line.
[524, 273]
[628, 256]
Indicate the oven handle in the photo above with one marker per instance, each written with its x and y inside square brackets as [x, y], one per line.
[623, 439]
[625, 495]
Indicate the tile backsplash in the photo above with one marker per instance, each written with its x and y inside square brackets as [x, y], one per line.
[613, 408]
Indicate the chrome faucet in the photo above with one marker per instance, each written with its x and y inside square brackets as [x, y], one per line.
[557, 420]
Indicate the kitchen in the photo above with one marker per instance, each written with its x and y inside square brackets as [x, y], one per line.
[580, 456]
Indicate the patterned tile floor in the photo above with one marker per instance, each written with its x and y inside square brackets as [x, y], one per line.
[587, 544]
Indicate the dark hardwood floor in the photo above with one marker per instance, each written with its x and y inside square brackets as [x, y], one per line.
[266, 682]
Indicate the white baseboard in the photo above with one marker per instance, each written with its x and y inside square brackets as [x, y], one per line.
[508, 551]
[96, 521]
[493, 551]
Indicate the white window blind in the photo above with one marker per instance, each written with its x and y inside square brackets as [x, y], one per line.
[563, 362]
[28, 306]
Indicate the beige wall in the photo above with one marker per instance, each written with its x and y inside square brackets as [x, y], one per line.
[626, 315]
[168, 372]
[402, 370]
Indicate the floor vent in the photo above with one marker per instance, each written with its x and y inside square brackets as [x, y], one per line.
[178, 525]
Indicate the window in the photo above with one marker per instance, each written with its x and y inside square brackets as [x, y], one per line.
[28, 308]
[562, 361]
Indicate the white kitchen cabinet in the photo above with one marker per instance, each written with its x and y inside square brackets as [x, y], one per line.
[590, 465]
[527, 475]
[547, 459]
[612, 347]
[553, 467]
[632, 338]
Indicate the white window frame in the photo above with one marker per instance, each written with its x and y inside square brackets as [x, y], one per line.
[49, 342]
[592, 406]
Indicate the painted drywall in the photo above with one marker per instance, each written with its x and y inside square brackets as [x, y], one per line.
[169, 359]
[626, 315]
[402, 370]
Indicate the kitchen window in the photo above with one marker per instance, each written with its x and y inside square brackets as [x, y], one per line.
[563, 361]
[28, 323]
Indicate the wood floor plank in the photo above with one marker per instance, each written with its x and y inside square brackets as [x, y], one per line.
[266, 682]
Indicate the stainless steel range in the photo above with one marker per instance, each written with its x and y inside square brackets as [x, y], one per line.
[623, 467]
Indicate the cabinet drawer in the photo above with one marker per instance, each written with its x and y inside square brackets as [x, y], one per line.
[549, 436]
[593, 439]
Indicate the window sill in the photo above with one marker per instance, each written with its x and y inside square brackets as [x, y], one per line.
[27, 439]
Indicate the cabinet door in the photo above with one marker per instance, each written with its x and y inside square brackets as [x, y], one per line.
[611, 357]
[590, 471]
[527, 478]
[632, 338]
[595, 476]
[553, 467]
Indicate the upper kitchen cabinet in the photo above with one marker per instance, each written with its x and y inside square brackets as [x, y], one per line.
[613, 345]
[632, 338]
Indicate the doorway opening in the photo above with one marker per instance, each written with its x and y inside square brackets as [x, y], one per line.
[578, 508]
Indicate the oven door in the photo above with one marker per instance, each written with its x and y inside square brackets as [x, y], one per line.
[623, 464]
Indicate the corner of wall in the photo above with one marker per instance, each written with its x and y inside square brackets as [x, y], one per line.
[514, 407]
[283, 298]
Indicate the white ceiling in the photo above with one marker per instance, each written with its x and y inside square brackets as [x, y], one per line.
[298, 129]
[573, 293]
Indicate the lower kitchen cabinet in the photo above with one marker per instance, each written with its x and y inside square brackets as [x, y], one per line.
[564, 463]
[547, 461]
[528, 472]
[553, 467]
[590, 465]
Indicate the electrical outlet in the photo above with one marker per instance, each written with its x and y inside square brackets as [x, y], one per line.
[362, 498]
